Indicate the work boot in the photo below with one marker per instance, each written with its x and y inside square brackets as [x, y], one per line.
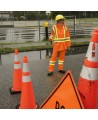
[62, 71]
[50, 73]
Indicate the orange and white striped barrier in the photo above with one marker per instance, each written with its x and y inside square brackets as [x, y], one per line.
[17, 75]
[27, 100]
[88, 81]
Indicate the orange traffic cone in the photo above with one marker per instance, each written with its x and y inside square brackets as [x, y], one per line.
[27, 100]
[88, 81]
[17, 75]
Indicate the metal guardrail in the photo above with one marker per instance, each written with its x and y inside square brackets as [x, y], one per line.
[81, 31]
[33, 34]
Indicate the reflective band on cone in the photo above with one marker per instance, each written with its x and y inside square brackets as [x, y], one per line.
[17, 75]
[88, 73]
[90, 51]
[27, 100]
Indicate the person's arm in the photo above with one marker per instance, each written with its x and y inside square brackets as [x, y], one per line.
[68, 38]
[52, 34]
[51, 37]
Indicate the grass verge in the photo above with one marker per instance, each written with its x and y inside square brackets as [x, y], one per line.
[37, 48]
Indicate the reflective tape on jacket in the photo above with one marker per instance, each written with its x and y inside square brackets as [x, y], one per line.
[57, 39]
[62, 40]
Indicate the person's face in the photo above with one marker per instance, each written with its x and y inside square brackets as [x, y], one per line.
[62, 21]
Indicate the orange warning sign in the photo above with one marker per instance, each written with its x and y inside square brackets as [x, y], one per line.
[64, 96]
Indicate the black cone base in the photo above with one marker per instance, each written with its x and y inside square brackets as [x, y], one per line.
[14, 92]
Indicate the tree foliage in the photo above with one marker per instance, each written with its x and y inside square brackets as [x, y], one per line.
[34, 15]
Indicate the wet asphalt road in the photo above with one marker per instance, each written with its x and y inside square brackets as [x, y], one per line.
[42, 84]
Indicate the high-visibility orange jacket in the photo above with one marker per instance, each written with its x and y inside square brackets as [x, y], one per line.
[60, 37]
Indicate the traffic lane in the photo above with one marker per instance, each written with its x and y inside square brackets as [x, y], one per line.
[42, 84]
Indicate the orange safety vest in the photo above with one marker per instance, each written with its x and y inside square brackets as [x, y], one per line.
[61, 37]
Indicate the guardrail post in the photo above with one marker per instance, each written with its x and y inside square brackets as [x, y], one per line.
[74, 26]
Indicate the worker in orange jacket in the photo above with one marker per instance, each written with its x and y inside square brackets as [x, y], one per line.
[60, 38]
